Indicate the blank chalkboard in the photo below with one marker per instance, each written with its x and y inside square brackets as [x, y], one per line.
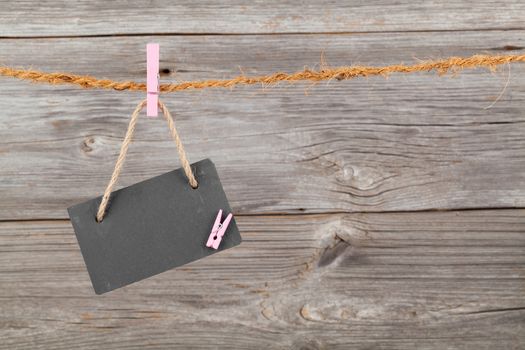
[151, 227]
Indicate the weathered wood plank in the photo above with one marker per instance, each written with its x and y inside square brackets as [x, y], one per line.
[60, 17]
[392, 280]
[411, 142]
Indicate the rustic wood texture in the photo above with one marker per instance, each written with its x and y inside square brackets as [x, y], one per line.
[376, 213]
[401, 280]
[412, 142]
[81, 18]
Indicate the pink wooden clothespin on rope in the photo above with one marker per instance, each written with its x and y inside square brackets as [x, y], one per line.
[152, 81]
[218, 230]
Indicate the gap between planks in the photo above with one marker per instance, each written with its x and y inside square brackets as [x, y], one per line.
[309, 214]
[80, 36]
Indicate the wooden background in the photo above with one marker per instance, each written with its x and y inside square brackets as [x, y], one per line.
[376, 213]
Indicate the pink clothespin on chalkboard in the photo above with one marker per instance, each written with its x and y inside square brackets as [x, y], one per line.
[152, 81]
[218, 230]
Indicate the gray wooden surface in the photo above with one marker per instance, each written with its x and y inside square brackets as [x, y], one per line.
[87, 18]
[376, 213]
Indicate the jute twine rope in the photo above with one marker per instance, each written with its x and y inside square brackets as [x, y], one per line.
[124, 149]
[325, 73]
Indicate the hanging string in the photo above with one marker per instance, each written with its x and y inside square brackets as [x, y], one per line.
[124, 149]
[325, 73]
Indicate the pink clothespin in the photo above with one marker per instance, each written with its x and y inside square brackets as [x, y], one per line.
[218, 230]
[152, 81]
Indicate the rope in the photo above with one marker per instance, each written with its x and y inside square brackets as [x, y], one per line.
[341, 73]
[124, 149]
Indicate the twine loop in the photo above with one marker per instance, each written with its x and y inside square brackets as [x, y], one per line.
[124, 149]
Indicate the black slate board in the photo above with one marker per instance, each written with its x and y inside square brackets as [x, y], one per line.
[151, 227]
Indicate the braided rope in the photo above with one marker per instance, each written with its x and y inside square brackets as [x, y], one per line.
[124, 149]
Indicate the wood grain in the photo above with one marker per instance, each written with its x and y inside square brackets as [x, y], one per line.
[412, 142]
[335, 186]
[80, 18]
[400, 280]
